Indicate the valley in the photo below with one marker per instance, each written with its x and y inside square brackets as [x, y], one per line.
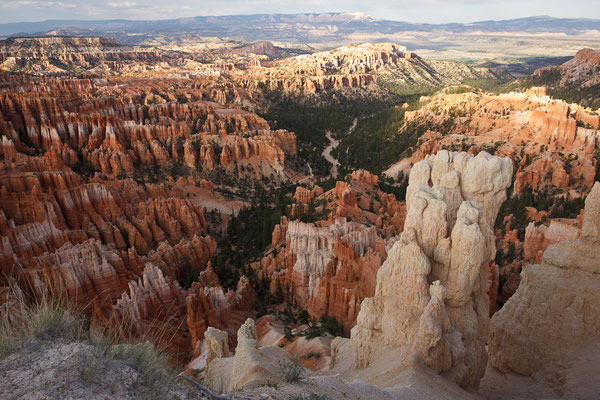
[387, 223]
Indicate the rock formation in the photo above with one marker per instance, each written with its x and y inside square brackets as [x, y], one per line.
[431, 301]
[538, 238]
[555, 311]
[354, 69]
[552, 143]
[580, 71]
[209, 305]
[83, 215]
[330, 266]
[215, 345]
[68, 54]
[249, 367]
[554, 149]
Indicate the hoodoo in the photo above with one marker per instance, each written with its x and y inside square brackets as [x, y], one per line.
[431, 303]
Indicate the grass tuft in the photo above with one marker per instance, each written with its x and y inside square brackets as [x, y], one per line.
[55, 320]
[150, 362]
[44, 319]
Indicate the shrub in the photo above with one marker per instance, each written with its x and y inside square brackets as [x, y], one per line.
[292, 370]
[150, 362]
[331, 325]
[312, 396]
[57, 320]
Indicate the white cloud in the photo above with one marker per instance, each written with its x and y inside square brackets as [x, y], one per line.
[39, 4]
[433, 11]
[122, 4]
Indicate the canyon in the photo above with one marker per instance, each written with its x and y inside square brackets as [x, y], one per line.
[350, 70]
[148, 187]
[89, 214]
[554, 149]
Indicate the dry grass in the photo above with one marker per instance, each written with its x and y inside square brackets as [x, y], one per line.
[150, 362]
[45, 319]
[54, 320]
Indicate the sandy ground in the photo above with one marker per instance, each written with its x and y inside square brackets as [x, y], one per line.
[333, 143]
[58, 370]
[53, 370]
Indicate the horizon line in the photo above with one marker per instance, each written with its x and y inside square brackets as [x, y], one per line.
[300, 13]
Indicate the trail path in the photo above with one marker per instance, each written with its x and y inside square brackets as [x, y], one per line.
[332, 145]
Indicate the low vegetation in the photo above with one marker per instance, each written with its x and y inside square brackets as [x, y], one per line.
[47, 319]
[312, 396]
[51, 321]
[292, 371]
[556, 203]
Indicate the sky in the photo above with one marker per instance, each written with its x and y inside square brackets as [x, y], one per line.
[430, 11]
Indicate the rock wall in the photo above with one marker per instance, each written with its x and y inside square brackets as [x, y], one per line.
[579, 71]
[209, 305]
[556, 309]
[65, 55]
[330, 266]
[431, 299]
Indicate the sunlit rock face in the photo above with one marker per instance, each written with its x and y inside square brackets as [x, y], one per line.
[551, 142]
[431, 299]
[581, 70]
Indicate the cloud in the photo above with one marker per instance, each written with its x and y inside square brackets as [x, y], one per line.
[38, 4]
[123, 4]
[434, 11]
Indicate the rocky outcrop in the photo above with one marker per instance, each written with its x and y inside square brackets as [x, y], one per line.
[354, 69]
[555, 311]
[539, 237]
[118, 135]
[553, 146]
[215, 345]
[330, 266]
[68, 54]
[209, 305]
[149, 301]
[327, 270]
[431, 301]
[580, 71]
[85, 273]
[250, 367]
[551, 142]
[74, 224]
